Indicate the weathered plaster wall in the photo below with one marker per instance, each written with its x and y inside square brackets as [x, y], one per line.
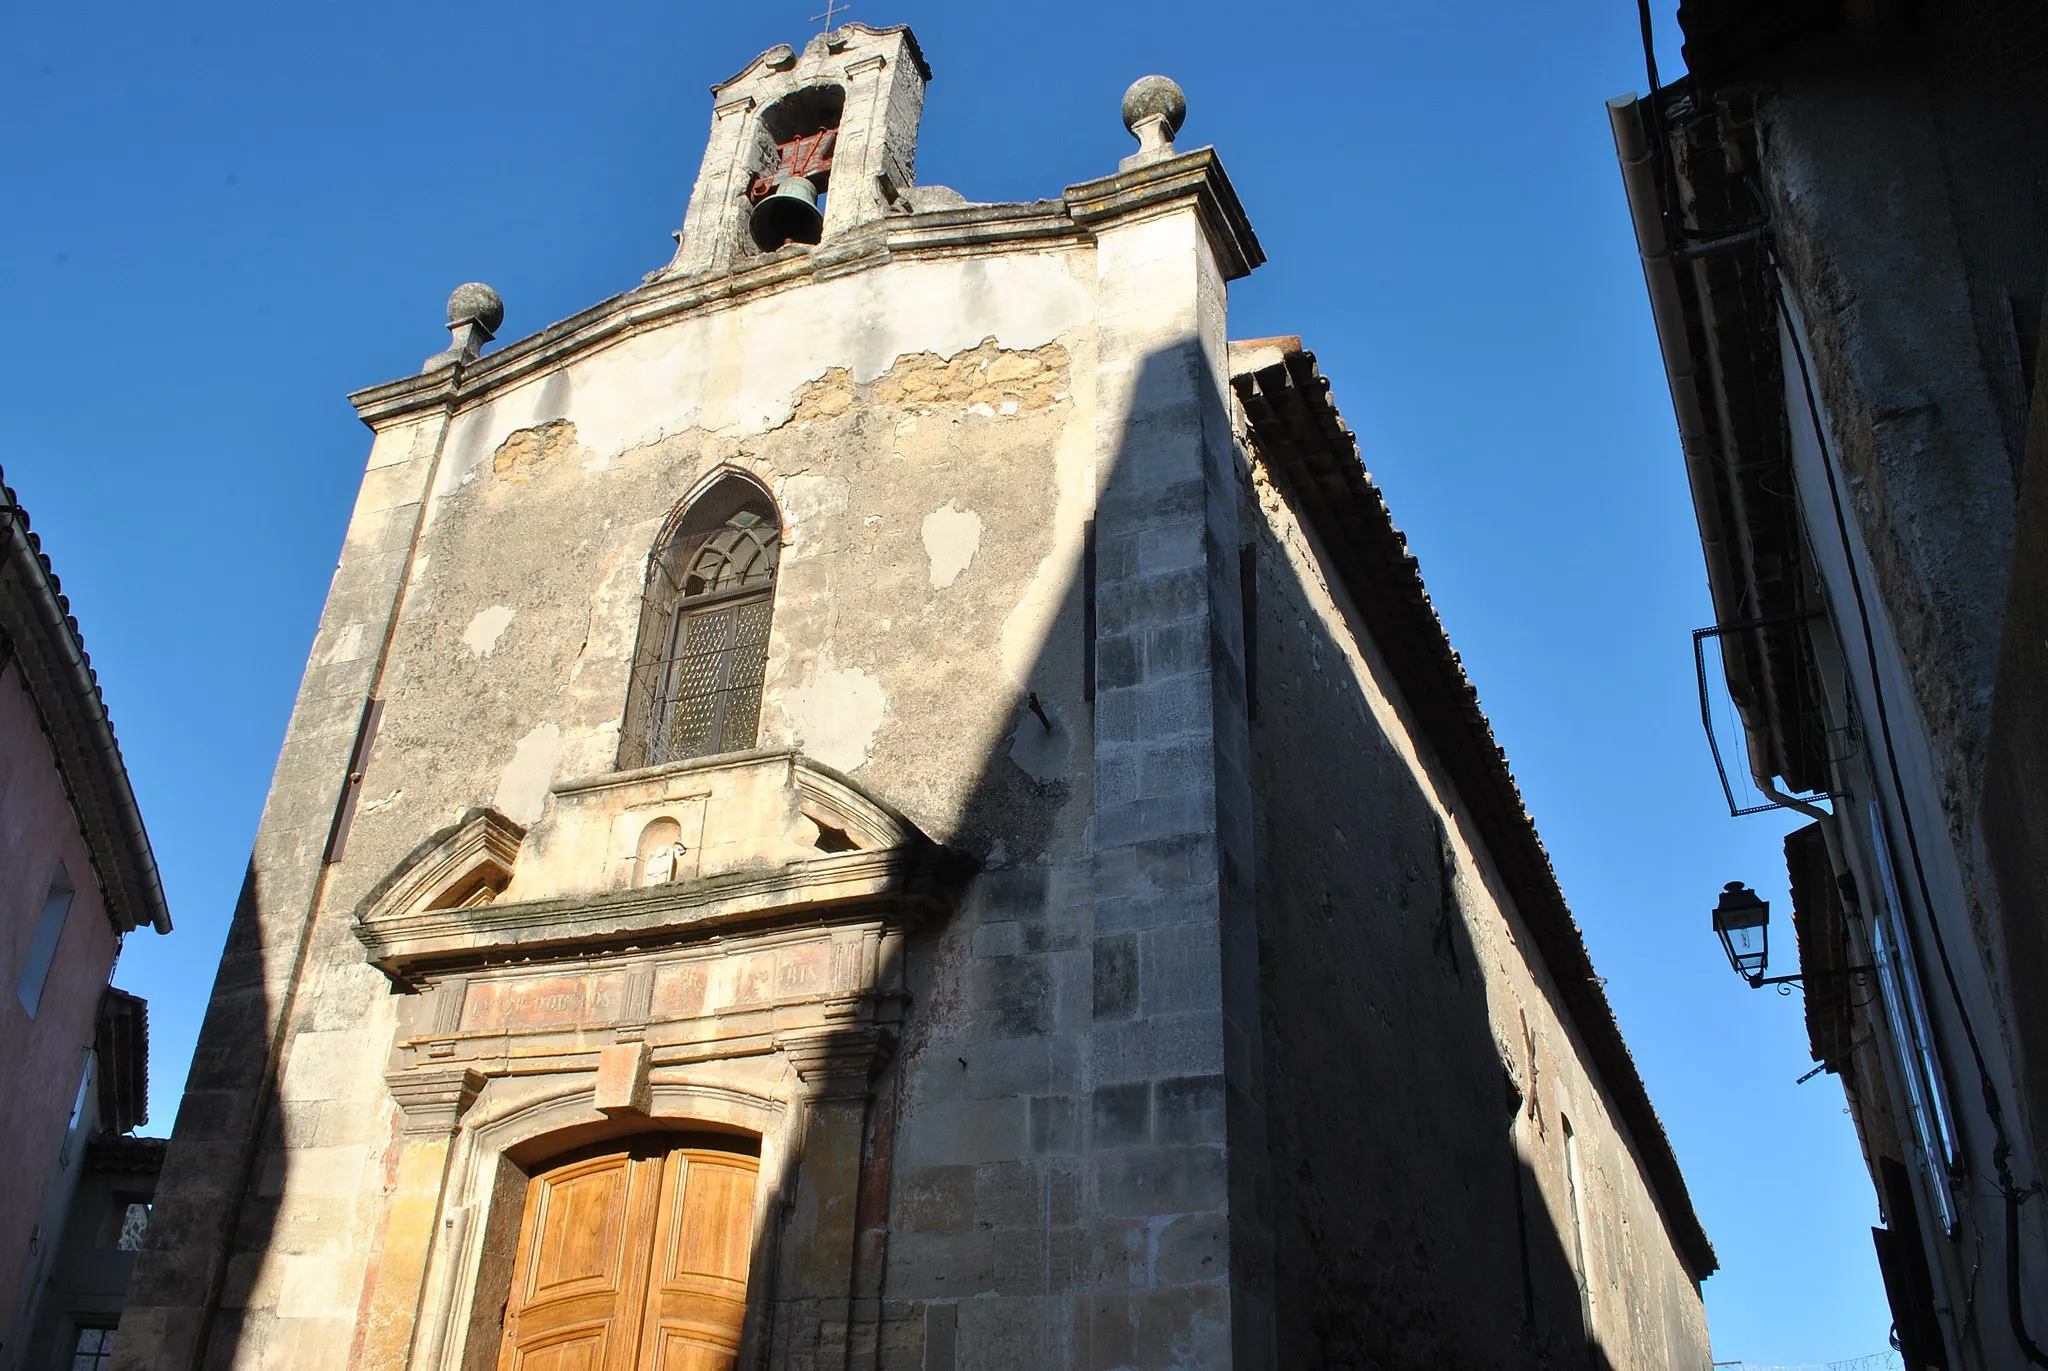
[1861, 205]
[1864, 778]
[1911, 252]
[871, 407]
[925, 430]
[1420, 1078]
[1065, 1161]
[45, 1056]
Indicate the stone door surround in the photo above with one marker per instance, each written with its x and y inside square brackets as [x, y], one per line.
[563, 987]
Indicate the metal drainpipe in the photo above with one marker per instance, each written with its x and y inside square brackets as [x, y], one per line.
[1645, 207]
[100, 729]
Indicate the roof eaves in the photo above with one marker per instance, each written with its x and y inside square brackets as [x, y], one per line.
[1297, 430]
[42, 640]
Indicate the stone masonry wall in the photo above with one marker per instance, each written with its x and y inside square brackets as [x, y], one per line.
[1064, 1149]
[1066, 1162]
[1420, 1079]
[933, 530]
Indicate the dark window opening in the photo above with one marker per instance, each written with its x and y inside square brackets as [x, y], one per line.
[832, 839]
[42, 948]
[93, 1350]
[1088, 611]
[1248, 613]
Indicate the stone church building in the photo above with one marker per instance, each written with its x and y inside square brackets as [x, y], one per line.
[889, 798]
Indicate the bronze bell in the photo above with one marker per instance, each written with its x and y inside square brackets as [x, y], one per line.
[788, 215]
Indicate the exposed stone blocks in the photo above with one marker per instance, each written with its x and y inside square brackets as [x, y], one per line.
[1029, 1131]
[1157, 1128]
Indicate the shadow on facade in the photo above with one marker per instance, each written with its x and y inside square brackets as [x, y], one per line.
[1065, 1122]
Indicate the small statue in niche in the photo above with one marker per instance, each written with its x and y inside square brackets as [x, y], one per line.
[660, 852]
[662, 865]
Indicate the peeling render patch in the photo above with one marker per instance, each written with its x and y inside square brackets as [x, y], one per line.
[374, 805]
[735, 372]
[614, 617]
[346, 647]
[835, 714]
[952, 536]
[523, 787]
[526, 450]
[487, 628]
[1043, 749]
[991, 381]
[810, 495]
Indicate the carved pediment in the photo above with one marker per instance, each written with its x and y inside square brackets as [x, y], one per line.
[468, 864]
[752, 843]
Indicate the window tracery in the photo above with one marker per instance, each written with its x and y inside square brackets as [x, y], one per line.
[703, 649]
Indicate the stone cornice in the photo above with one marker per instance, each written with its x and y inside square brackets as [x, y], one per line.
[838, 1058]
[782, 56]
[906, 883]
[970, 230]
[1197, 174]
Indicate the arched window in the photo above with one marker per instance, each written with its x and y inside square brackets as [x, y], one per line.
[703, 644]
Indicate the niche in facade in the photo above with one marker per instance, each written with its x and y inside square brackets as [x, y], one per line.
[787, 193]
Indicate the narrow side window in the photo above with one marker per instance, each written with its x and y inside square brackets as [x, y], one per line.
[1574, 1196]
[1248, 612]
[1088, 611]
[42, 949]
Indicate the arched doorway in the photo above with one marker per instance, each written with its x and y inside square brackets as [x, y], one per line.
[632, 1256]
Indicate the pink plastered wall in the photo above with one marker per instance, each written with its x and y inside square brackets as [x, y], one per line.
[41, 1058]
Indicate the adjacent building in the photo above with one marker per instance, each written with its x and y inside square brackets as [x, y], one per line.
[76, 1305]
[1842, 211]
[76, 875]
[891, 798]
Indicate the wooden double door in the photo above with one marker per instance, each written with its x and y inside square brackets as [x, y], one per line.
[634, 1259]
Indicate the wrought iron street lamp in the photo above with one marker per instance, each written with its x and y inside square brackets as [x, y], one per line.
[1743, 923]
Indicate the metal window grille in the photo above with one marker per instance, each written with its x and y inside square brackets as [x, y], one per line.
[710, 599]
[712, 699]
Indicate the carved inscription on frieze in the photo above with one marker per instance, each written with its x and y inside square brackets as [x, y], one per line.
[695, 987]
[530, 1004]
[679, 990]
[803, 972]
[741, 981]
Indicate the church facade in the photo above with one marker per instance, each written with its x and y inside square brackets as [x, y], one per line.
[890, 798]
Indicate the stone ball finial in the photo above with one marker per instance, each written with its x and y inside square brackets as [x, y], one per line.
[477, 301]
[1155, 95]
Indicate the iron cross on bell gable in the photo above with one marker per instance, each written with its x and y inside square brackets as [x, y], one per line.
[831, 9]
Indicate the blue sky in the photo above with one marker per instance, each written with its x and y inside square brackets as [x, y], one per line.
[225, 218]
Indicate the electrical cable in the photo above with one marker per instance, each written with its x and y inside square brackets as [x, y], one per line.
[1649, 50]
[2001, 1151]
[1660, 144]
